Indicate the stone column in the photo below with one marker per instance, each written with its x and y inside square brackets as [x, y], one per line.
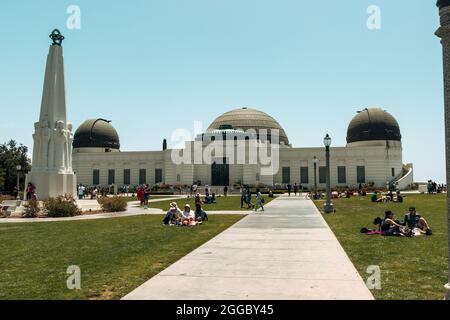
[444, 33]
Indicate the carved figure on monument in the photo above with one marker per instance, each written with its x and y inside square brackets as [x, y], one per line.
[37, 144]
[60, 146]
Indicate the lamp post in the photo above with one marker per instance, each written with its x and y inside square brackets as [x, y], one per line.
[315, 177]
[329, 205]
[18, 168]
[444, 33]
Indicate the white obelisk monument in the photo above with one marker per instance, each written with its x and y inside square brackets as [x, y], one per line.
[51, 171]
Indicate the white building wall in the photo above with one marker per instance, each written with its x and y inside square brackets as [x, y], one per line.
[377, 159]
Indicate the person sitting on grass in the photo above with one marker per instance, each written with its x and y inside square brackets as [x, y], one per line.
[210, 199]
[390, 226]
[200, 215]
[416, 223]
[389, 197]
[188, 217]
[399, 198]
[171, 217]
[374, 196]
[198, 202]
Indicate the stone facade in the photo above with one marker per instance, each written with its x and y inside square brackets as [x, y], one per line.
[377, 163]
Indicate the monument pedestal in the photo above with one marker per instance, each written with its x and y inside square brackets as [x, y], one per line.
[52, 184]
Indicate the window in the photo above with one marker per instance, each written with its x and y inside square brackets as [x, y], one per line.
[393, 172]
[322, 175]
[178, 177]
[361, 174]
[304, 175]
[96, 177]
[342, 175]
[142, 176]
[158, 176]
[126, 177]
[111, 176]
[286, 174]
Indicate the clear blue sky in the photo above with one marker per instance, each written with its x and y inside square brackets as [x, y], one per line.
[154, 66]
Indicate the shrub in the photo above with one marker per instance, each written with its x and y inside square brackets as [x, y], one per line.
[32, 209]
[113, 204]
[62, 206]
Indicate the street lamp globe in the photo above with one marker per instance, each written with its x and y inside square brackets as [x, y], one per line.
[19, 167]
[327, 140]
[315, 160]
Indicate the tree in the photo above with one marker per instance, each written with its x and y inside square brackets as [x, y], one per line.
[11, 155]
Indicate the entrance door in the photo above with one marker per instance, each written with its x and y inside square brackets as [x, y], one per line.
[220, 174]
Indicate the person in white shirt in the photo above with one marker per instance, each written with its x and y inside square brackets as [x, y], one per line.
[81, 190]
[188, 216]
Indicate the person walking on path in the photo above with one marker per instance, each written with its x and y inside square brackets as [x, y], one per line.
[259, 201]
[249, 199]
[295, 189]
[225, 191]
[81, 190]
[289, 187]
[243, 196]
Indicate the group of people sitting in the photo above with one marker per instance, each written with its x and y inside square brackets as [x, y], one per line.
[347, 194]
[185, 218]
[412, 225]
[389, 197]
[209, 198]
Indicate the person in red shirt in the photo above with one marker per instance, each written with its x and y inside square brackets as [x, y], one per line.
[140, 195]
[29, 191]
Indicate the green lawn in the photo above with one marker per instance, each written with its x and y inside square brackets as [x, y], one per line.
[223, 203]
[411, 268]
[115, 255]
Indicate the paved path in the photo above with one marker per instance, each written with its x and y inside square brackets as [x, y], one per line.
[286, 253]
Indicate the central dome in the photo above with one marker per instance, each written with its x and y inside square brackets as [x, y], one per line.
[247, 118]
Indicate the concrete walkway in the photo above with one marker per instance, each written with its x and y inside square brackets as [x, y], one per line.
[286, 253]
